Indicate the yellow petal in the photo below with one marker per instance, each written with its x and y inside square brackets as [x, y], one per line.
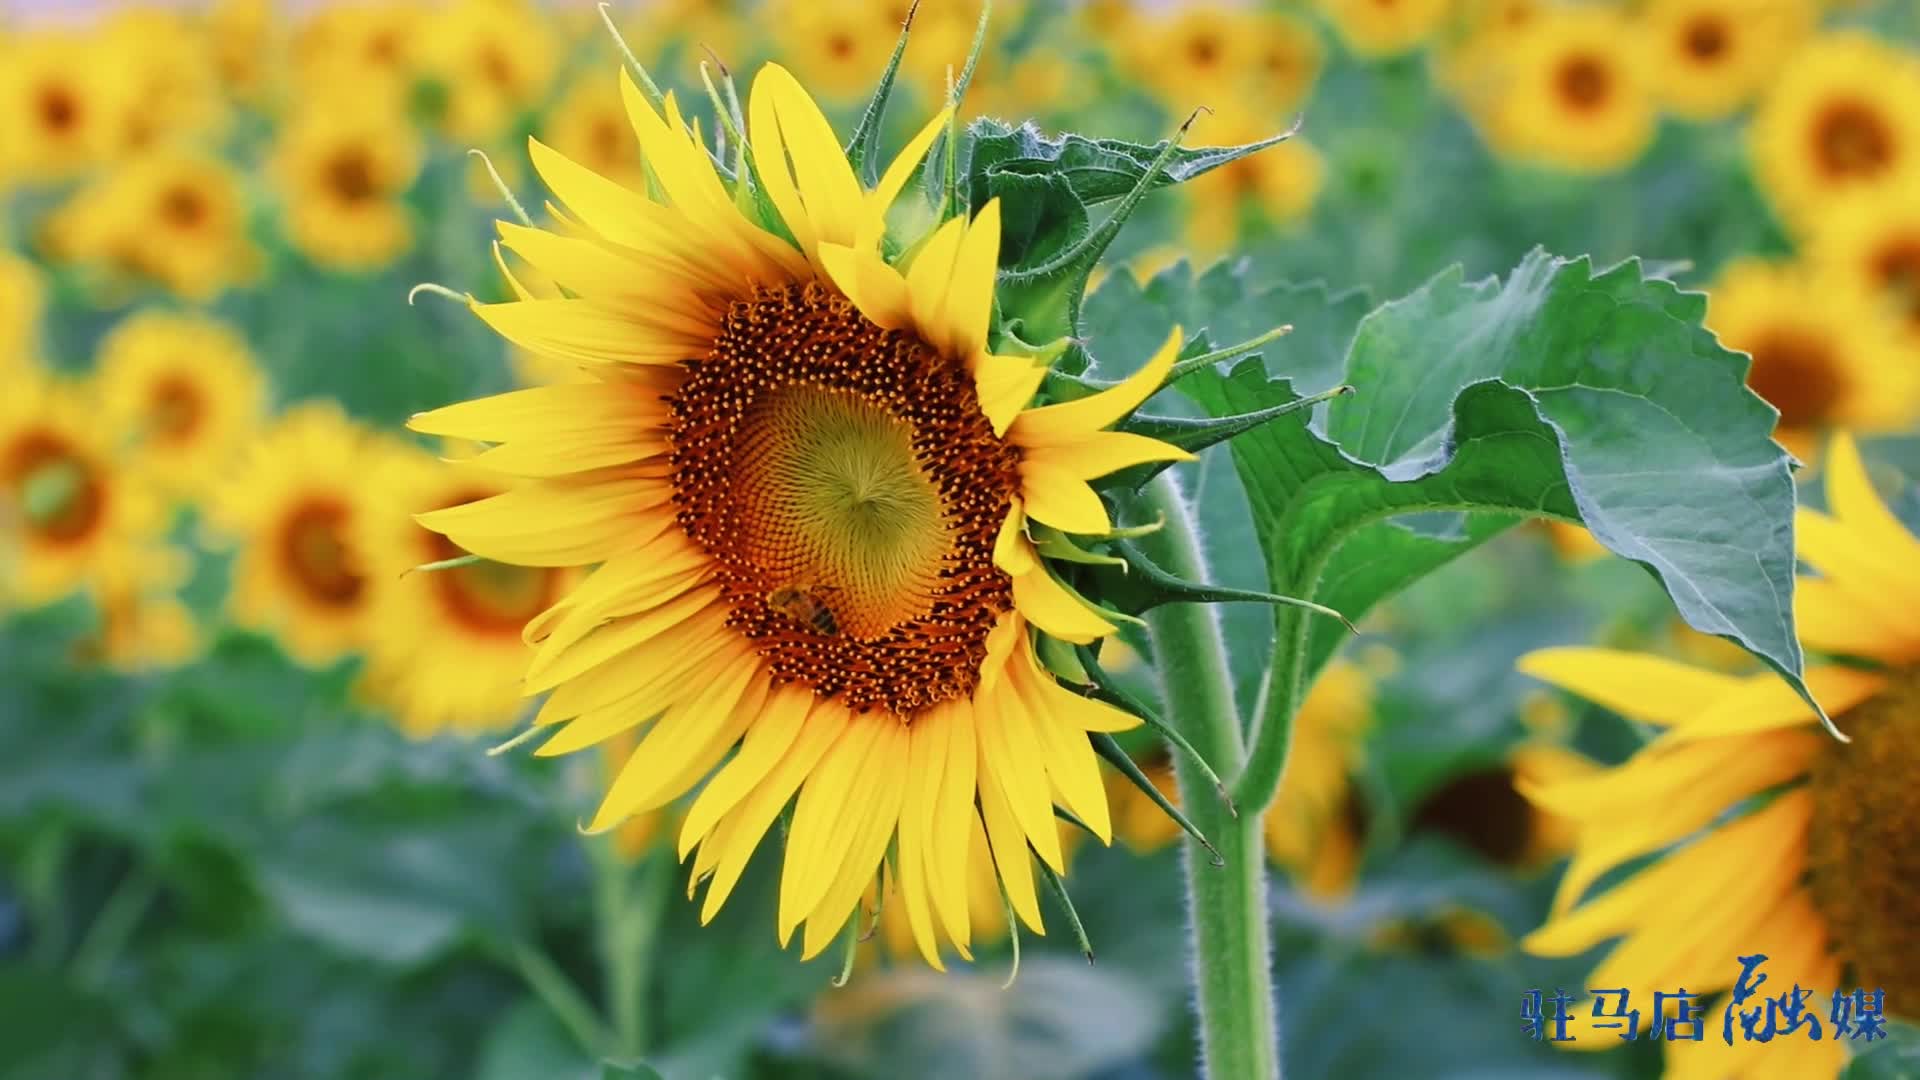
[1055, 497]
[740, 832]
[766, 743]
[1103, 452]
[1048, 605]
[927, 764]
[875, 288]
[1012, 551]
[954, 821]
[1068, 756]
[976, 267]
[1766, 702]
[824, 821]
[873, 224]
[1009, 845]
[1009, 750]
[880, 810]
[1635, 685]
[1868, 575]
[1070, 420]
[1005, 385]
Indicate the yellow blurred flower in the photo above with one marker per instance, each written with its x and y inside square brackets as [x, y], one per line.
[1287, 56]
[248, 46]
[1573, 542]
[1842, 121]
[446, 651]
[589, 125]
[1871, 248]
[341, 170]
[143, 625]
[60, 108]
[495, 59]
[1710, 57]
[1280, 184]
[185, 391]
[294, 507]
[65, 501]
[1312, 828]
[371, 48]
[1378, 28]
[1472, 62]
[173, 90]
[1192, 54]
[23, 298]
[838, 50]
[1575, 94]
[173, 217]
[1819, 355]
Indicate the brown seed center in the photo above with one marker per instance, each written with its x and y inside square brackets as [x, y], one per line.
[1863, 842]
[1482, 812]
[1584, 82]
[1798, 374]
[316, 555]
[1896, 266]
[1851, 139]
[1707, 39]
[175, 410]
[62, 493]
[850, 489]
[350, 175]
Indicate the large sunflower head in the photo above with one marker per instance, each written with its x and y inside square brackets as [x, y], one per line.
[66, 502]
[811, 477]
[294, 507]
[1819, 355]
[1842, 121]
[446, 649]
[186, 390]
[1771, 837]
[341, 170]
[1709, 57]
[1575, 92]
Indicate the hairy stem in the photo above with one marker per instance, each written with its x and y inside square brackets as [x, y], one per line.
[1231, 961]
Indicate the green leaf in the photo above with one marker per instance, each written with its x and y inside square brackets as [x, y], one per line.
[1896, 1057]
[1560, 393]
[1046, 184]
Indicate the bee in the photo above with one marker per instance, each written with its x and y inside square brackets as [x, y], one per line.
[803, 605]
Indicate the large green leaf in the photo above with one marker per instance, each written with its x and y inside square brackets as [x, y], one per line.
[1895, 1057]
[1559, 393]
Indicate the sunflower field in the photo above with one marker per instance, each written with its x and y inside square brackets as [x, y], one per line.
[689, 539]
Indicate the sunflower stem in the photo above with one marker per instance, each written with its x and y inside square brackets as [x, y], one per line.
[631, 900]
[569, 1005]
[1232, 968]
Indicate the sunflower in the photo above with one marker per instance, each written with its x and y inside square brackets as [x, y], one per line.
[187, 390]
[1313, 827]
[173, 91]
[1193, 54]
[589, 125]
[375, 49]
[1285, 62]
[1710, 57]
[1870, 248]
[341, 169]
[1380, 28]
[65, 504]
[809, 484]
[248, 46]
[446, 651]
[835, 47]
[60, 109]
[1841, 121]
[1470, 62]
[23, 299]
[1575, 93]
[1770, 837]
[176, 218]
[1279, 185]
[1819, 355]
[1485, 811]
[143, 626]
[294, 506]
[496, 59]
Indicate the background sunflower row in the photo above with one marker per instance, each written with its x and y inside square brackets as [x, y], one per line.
[212, 220]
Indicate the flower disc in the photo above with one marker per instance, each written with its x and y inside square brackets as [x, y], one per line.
[849, 486]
